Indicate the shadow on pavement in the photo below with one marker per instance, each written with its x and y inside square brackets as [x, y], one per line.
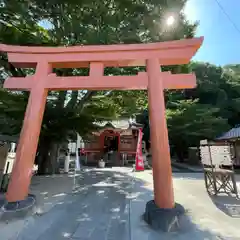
[230, 205]
[106, 204]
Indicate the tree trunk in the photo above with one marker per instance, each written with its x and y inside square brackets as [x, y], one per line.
[53, 158]
[43, 157]
[48, 158]
[179, 150]
[180, 157]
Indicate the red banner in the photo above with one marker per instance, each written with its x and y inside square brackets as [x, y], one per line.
[139, 164]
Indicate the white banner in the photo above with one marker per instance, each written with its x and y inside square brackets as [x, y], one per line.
[77, 162]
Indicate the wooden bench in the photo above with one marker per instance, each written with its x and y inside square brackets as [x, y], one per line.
[218, 168]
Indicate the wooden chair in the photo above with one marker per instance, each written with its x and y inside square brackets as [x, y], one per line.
[218, 168]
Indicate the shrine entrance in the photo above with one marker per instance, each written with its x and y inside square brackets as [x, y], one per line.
[110, 140]
[44, 59]
[110, 143]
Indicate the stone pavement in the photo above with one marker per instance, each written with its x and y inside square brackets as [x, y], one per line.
[50, 191]
[108, 204]
[97, 209]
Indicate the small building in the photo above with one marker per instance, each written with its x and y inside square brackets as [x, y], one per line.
[116, 137]
[232, 137]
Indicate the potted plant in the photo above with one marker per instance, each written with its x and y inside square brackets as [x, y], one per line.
[101, 163]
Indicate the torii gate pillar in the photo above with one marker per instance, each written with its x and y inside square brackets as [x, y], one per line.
[26, 151]
[161, 211]
[161, 162]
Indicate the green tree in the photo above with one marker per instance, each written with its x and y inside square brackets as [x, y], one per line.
[219, 87]
[189, 122]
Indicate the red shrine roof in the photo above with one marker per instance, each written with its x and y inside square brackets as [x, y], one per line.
[123, 126]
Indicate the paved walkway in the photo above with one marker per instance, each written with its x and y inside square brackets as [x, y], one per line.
[108, 204]
[98, 209]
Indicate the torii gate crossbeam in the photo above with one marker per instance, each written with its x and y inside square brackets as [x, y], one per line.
[44, 59]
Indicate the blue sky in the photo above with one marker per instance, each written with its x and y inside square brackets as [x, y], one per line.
[222, 41]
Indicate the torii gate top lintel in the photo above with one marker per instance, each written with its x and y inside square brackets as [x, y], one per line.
[168, 53]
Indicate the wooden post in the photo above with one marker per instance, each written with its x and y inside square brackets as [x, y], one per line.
[161, 162]
[27, 146]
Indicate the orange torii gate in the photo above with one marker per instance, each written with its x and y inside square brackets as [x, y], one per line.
[44, 59]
